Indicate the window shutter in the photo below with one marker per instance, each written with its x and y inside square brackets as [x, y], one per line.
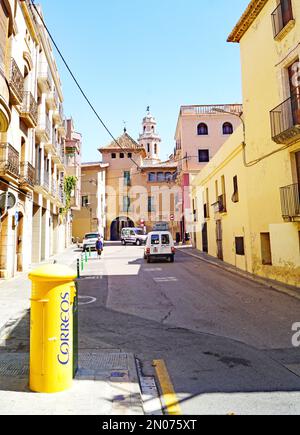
[3, 34]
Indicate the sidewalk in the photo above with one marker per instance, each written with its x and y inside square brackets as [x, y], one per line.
[275, 285]
[107, 382]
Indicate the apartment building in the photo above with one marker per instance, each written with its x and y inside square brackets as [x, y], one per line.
[34, 224]
[257, 226]
[91, 215]
[201, 131]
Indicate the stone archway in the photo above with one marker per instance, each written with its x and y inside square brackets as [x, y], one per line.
[117, 225]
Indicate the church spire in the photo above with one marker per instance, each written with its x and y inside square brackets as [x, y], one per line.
[150, 139]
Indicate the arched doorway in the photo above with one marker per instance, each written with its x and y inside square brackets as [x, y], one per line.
[117, 226]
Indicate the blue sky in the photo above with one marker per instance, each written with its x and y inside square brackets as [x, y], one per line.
[130, 54]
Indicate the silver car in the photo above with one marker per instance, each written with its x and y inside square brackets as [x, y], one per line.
[89, 241]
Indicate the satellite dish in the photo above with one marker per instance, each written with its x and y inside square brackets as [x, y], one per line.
[7, 201]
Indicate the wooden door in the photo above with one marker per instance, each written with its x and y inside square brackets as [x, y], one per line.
[204, 238]
[219, 235]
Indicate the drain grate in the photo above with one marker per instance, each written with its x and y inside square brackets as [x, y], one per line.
[17, 364]
[14, 364]
[103, 361]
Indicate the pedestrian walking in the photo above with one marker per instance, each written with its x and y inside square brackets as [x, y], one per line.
[99, 247]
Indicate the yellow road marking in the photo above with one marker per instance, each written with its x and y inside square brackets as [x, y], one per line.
[168, 392]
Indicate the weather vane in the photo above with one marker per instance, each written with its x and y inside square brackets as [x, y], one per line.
[148, 109]
[125, 123]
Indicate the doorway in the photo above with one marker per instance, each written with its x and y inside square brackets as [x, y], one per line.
[219, 235]
[204, 238]
[19, 244]
[117, 226]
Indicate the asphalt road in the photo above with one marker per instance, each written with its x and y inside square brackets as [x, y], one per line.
[226, 341]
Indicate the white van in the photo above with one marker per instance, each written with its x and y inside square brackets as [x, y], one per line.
[159, 244]
[134, 236]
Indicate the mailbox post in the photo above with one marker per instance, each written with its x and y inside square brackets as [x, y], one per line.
[51, 328]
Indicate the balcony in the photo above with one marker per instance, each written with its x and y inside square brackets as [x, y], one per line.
[27, 176]
[29, 110]
[45, 77]
[290, 202]
[283, 19]
[9, 162]
[52, 100]
[61, 158]
[58, 114]
[16, 83]
[220, 205]
[41, 183]
[61, 196]
[285, 120]
[43, 130]
[53, 188]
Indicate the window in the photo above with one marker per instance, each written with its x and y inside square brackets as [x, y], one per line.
[168, 176]
[202, 129]
[113, 155]
[266, 255]
[152, 177]
[84, 201]
[148, 148]
[282, 16]
[122, 155]
[155, 148]
[4, 18]
[151, 207]
[239, 246]
[235, 196]
[227, 128]
[155, 239]
[165, 239]
[130, 155]
[126, 203]
[203, 156]
[160, 177]
[127, 178]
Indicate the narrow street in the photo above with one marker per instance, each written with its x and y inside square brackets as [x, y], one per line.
[226, 341]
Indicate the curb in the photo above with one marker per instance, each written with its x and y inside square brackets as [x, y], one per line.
[276, 287]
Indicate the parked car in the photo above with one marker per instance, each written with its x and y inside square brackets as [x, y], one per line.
[89, 241]
[159, 244]
[134, 236]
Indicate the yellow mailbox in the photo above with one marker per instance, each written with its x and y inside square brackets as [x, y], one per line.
[51, 328]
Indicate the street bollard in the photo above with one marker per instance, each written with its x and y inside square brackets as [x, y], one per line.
[78, 268]
[82, 263]
[51, 329]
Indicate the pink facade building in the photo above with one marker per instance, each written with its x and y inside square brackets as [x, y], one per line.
[200, 133]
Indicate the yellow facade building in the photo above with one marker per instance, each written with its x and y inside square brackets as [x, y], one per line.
[248, 196]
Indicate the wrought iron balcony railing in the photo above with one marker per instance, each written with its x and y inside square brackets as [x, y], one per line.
[285, 120]
[281, 17]
[16, 83]
[290, 201]
[27, 174]
[29, 110]
[9, 161]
